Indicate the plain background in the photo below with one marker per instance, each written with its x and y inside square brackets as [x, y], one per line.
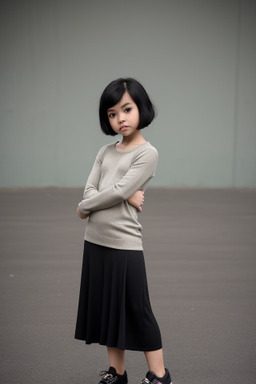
[196, 59]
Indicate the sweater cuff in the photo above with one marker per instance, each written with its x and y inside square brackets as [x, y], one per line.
[82, 210]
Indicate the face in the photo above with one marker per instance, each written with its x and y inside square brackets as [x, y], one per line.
[124, 117]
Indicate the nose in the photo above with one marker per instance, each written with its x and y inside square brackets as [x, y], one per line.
[121, 118]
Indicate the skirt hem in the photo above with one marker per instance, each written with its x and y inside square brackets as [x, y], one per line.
[126, 348]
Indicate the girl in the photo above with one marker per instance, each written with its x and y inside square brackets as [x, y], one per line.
[114, 306]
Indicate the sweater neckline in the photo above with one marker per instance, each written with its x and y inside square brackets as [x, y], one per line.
[129, 150]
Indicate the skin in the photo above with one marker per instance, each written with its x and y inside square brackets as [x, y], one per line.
[124, 120]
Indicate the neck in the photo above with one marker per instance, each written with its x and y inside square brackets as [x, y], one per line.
[135, 139]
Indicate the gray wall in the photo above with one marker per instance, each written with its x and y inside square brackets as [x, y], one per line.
[196, 58]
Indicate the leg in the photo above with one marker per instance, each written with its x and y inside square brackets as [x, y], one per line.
[116, 359]
[155, 362]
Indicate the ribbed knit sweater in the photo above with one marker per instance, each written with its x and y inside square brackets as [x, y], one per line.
[115, 176]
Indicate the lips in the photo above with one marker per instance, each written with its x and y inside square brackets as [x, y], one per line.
[123, 128]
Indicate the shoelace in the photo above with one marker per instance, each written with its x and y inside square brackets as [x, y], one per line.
[145, 381]
[107, 377]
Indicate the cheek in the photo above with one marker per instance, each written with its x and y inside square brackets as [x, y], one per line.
[138, 115]
[137, 118]
[112, 124]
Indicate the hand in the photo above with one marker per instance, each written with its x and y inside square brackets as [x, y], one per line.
[137, 199]
[81, 215]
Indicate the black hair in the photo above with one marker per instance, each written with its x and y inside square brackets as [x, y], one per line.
[113, 93]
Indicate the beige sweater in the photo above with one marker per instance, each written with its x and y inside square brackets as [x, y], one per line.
[115, 176]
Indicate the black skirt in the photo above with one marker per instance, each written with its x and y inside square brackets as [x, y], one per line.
[114, 307]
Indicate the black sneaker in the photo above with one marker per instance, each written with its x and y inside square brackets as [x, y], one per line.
[111, 376]
[151, 378]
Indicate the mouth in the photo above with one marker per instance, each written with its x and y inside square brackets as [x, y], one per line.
[123, 128]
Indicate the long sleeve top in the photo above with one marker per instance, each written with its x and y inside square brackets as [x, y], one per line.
[115, 176]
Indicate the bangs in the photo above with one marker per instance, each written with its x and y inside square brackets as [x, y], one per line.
[113, 95]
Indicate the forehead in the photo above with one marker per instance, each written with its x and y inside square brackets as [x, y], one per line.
[126, 98]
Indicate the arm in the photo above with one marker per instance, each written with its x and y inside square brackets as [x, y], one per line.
[137, 200]
[142, 169]
[91, 187]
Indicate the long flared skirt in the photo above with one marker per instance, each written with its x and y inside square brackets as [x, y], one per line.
[114, 307]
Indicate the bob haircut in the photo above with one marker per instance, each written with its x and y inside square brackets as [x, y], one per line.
[113, 93]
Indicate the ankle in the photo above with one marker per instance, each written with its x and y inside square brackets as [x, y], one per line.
[160, 373]
[120, 372]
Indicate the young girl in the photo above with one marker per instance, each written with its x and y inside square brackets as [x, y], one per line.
[114, 306]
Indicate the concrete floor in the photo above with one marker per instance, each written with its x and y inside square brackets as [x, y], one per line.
[200, 251]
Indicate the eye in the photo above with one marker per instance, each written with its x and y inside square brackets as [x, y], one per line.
[127, 110]
[111, 115]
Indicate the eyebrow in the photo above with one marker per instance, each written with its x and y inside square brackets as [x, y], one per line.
[110, 110]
